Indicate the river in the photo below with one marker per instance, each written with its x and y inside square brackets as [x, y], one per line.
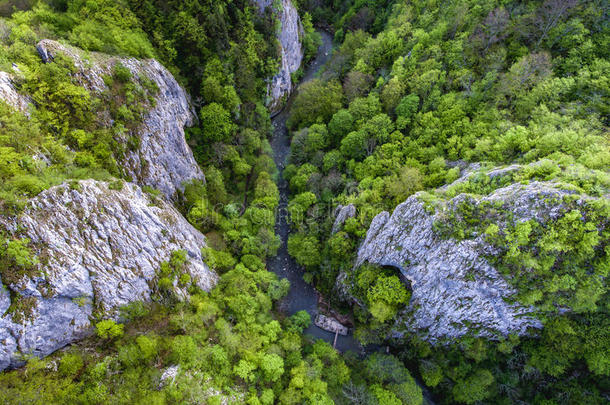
[302, 296]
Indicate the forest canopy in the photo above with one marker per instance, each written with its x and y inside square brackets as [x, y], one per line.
[415, 94]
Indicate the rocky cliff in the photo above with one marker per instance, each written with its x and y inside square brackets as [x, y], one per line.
[455, 288]
[99, 246]
[291, 52]
[163, 159]
[10, 96]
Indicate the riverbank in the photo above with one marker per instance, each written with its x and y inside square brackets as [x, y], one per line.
[302, 296]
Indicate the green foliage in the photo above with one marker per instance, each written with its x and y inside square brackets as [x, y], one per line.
[279, 289]
[305, 249]
[311, 40]
[406, 110]
[384, 295]
[299, 322]
[109, 329]
[474, 388]
[551, 259]
[381, 379]
[172, 271]
[62, 137]
[431, 373]
[213, 92]
[16, 260]
[226, 41]
[316, 101]
[429, 89]
[70, 365]
[381, 290]
[134, 310]
[216, 123]
[340, 125]
[272, 366]
[413, 91]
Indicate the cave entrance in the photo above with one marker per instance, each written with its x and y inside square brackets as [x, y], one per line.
[390, 269]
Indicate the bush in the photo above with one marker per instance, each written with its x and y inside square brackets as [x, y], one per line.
[109, 329]
[16, 260]
[134, 310]
[70, 364]
[121, 73]
[184, 351]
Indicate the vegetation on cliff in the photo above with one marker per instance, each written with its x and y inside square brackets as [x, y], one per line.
[419, 95]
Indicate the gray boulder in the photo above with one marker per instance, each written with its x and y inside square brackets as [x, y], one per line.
[163, 160]
[99, 248]
[455, 290]
[291, 52]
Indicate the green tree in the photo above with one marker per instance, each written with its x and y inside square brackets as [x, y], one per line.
[405, 111]
[305, 249]
[340, 125]
[216, 123]
[316, 101]
[300, 321]
[272, 366]
[474, 388]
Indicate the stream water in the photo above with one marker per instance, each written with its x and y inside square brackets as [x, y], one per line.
[302, 296]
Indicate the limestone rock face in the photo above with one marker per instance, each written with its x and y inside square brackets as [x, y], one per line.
[291, 52]
[163, 160]
[98, 249]
[341, 215]
[9, 94]
[455, 289]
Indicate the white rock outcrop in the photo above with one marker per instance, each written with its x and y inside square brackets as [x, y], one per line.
[455, 290]
[291, 51]
[342, 214]
[99, 248]
[163, 160]
[169, 376]
[10, 95]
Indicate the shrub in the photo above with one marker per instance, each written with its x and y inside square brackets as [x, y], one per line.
[109, 329]
[70, 364]
[134, 310]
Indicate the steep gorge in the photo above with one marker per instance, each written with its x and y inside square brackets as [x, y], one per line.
[101, 245]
